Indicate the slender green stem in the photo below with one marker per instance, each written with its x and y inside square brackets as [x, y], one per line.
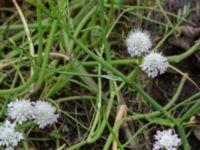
[112, 130]
[151, 115]
[40, 37]
[192, 111]
[20, 88]
[66, 99]
[113, 62]
[21, 27]
[186, 101]
[164, 13]
[179, 58]
[46, 53]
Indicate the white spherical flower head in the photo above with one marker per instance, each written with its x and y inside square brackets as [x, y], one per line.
[20, 110]
[44, 114]
[154, 64]
[138, 43]
[166, 139]
[9, 138]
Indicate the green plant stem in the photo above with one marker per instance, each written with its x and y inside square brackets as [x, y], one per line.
[113, 62]
[103, 124]
[164, 13]
[66, 99]
[186, 101]
[40, 37]
[132, 77]
[99, 105]
[21, 88]
[99, 131]
[192, 111]
[21, 27]
[25, 143]
[46, 53]
[113, 133]
[131, 139]
[151, 115]
[179, 58]
[108, 59]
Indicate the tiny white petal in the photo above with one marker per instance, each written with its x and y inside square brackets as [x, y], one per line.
[9, 137]
[138, 43]
[20, 110]
[166, 139]
[154, 64]
[9, 148]
[44, 114]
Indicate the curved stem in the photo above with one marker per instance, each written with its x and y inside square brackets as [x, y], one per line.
[179, 58]
[21, 88]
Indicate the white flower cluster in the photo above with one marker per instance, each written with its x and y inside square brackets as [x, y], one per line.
[20, 110]
[41, 112]
[9, 137]
[154, 64]
[44, 113]
[139, 44]
[166, 140]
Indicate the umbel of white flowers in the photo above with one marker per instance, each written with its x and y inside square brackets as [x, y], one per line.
[139, 44]
[20, 110]
[166, 140]
[154, 64]
[9, 137]
[42, 113]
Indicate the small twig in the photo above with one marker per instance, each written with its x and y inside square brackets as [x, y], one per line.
[185, 75]
[122, 109]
